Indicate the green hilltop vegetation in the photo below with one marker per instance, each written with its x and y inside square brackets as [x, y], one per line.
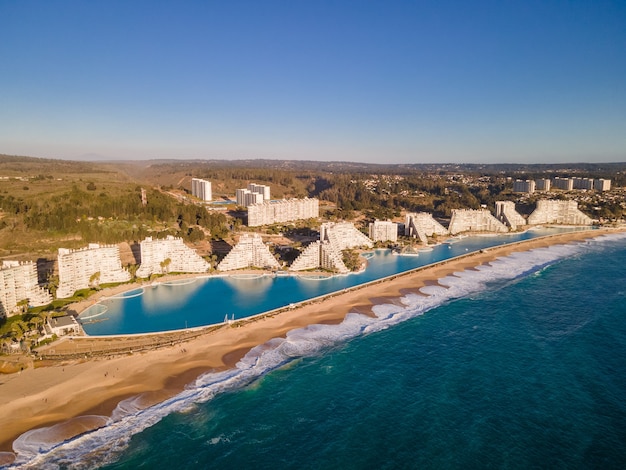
[46, 204]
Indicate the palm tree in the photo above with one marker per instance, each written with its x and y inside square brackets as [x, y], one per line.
[53, 285]
[165, 265]
[94, 280]
[37, 322]
[18, 330]
[4, 346]
[23, 305]
[132, 269]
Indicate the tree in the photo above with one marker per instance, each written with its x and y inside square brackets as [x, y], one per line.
[132, 269]
[18, 330]
[165, 265]
[94, 279]
[37, 322]
[23, 305]
[53, 285]
[351, 260]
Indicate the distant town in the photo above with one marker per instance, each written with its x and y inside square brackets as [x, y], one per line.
[141, 229]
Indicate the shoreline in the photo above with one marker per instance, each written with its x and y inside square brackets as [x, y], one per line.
[66, 392]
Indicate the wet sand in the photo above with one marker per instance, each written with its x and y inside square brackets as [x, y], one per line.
[58, 393]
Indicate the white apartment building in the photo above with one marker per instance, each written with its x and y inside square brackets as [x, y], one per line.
[326, 252]
[250, 251]
[521, 186]
[77, 266]
[383, 231]
[253, 194]
[261, 189]
[284, 210]
[240, 196]
[566, 184]
[246, 198]
[252, 198]
[343, 236]
[18, 282]
[201, 189]
[558, 212]
[422, 225]
[320, 255]
[470, 220]
[542, 184]
[602, 185]
[182, 259]
[505, 212]
[583, 183]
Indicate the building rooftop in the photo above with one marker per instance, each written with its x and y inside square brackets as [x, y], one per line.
[66, 320]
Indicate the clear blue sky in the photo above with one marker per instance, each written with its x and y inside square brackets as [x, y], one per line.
[371, 81]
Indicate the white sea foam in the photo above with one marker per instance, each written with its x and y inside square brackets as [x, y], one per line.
[104, 445]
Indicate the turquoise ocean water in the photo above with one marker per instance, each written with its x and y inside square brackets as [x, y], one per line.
[520, 364]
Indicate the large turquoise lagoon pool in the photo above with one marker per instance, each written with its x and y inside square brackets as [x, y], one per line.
[209, 300]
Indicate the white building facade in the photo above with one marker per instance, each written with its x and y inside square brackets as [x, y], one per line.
[383, 231]
[284, 210]
[18, 282]
[543, 184]
[76, 267]
[524, 186]
[182, 259]
[253, 194]
[506, 213]
[320, 255]
[249, 252]
[566, 184]
[422, 225]
[558, 212]
[201, 189]
[261, 189]
[583, 183]
[602, 185]
[470, 220]
[343, 236]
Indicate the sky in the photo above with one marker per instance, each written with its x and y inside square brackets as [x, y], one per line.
[419, 81]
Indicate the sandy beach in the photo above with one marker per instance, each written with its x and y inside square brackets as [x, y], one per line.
[74, 395]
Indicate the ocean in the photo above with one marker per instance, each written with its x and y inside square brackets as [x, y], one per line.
[515, 365]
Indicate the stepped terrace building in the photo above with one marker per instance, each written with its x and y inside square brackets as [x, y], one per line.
[284, 210]
[18, 282]
[470, 220]
[383, 231]
[249, 252]
[326, 252]
[505, 212]
[76, 267]
[558, 212]
[320, 255]
[182, 259]
[201, 189]
[343, 236]
[422, 225]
